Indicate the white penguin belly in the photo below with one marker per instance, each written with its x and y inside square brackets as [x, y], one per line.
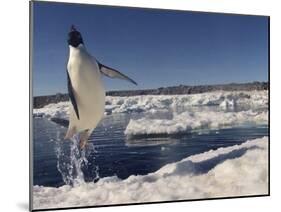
[88, 91]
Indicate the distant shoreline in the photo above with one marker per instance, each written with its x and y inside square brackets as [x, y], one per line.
[41, 101]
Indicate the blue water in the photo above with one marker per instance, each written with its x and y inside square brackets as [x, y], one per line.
[110, 153]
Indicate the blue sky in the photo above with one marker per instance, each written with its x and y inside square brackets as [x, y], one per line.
[156, 48]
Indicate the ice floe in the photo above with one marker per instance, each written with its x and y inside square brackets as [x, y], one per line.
[197, 120]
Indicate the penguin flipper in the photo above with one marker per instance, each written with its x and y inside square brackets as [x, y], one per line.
[113, 73]
[71, 95]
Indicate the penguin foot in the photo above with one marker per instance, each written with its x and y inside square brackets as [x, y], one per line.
[82, 144]
[84, 138]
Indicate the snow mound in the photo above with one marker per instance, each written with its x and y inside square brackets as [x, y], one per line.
[54, 110]
[238, 170]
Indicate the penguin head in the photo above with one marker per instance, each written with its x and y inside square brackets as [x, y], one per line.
[74, 37]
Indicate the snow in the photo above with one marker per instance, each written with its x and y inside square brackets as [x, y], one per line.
[189, 112]
[231, 171]
[148, 103]
[54, 110]
[191, 121]
[152, 103]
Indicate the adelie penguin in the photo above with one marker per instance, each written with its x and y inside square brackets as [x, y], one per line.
[85, 88]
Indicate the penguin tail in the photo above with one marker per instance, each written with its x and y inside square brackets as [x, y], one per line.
[70, 132]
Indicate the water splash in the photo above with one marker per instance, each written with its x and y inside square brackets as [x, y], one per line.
[72, 162]
[93, 168]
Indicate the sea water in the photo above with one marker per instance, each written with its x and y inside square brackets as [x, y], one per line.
[111, 153]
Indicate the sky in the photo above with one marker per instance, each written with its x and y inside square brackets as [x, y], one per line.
[156, 48]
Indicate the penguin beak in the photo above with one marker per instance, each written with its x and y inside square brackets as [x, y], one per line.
[72, 28]
[74, 37]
